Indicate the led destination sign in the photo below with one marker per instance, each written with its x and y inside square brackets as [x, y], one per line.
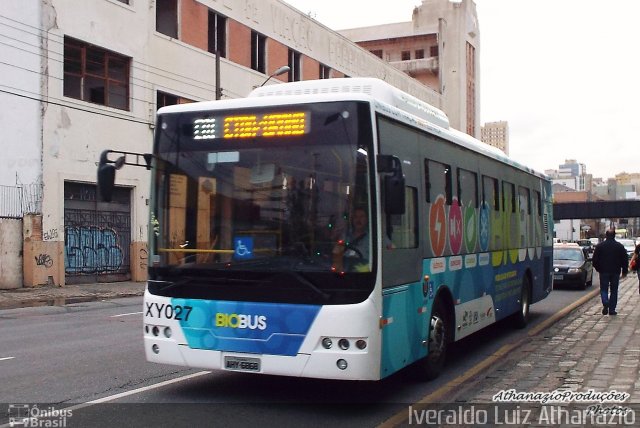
[252, 125]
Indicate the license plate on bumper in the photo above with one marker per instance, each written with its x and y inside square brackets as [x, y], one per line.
[242, 364]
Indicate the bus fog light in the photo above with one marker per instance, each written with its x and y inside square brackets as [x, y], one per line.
[155, 330]
[167, 332]
[155, 349]
[342, 364]
[343, 344]
[327, 343]
[361, 344]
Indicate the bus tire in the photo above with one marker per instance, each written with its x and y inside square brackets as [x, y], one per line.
[521, 318]
[437, 341]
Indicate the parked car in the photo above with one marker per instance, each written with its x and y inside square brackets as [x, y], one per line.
[571, 266]
[629, 245]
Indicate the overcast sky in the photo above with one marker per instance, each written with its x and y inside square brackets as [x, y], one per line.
[565, 74]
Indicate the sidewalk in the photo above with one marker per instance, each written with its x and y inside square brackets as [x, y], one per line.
[583, 353]
[59, 296]
[553, 377]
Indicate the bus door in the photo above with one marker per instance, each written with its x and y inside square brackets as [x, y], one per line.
[402, 256]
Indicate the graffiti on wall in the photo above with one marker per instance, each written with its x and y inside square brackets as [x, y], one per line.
[44, 260]
[91, 250]
[50, 235]
[143, 255]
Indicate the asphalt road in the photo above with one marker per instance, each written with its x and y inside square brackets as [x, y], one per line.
[68, 356]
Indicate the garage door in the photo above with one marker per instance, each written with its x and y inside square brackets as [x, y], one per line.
[97, 235]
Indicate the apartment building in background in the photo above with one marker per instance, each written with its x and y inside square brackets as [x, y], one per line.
[496, 134]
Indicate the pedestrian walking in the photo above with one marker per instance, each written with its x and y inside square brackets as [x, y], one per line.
[634, 263]
[610, 259]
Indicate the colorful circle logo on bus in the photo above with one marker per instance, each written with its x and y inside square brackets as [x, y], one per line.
[438, 226]
[455, 227]
[485, 227]
[470, 228]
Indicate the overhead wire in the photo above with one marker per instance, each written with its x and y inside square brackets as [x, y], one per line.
[135, 64]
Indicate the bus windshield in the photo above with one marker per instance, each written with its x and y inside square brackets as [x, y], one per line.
[259, 204]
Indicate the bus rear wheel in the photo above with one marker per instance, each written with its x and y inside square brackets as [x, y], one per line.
[521, 318]
[438, 341]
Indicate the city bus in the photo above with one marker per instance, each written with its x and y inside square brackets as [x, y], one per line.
[254, 265]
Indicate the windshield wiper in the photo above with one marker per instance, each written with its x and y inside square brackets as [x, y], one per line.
[325, 296]
[168, 285]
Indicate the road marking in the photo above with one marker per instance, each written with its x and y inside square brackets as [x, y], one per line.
[127, 393]
[6, 358]
[402, 417]
[124, 315]
[143, 389]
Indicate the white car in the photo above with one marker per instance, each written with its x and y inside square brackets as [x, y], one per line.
[629, 245]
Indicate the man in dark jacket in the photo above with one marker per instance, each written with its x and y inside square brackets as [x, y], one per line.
[609, 259]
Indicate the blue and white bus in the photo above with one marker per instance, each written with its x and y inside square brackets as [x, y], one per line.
[253, 261]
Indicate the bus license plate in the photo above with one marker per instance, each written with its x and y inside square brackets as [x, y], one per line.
[242, 364]
[560, 277]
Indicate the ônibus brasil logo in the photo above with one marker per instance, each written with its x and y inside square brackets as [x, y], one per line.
[252, 322]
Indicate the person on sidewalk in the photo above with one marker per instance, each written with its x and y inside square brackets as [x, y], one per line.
[634, 263]
[609, 259]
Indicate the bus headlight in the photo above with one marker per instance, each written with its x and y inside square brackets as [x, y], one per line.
[342, 364]
[361, 344]
[327, 343]
[343, 344]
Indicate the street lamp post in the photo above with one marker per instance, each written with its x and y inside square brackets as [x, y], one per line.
[278, 72]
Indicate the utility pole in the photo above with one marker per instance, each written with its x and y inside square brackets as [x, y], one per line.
[218, 87]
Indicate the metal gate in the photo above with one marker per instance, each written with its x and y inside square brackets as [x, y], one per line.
[97, 235]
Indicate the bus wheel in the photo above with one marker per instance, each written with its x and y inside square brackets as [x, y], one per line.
[521, 318]
[433, 363]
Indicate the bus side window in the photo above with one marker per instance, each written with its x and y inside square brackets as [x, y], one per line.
[402, 230]
[467, 188]
[438, 181]
[490, 193]
[508, 197]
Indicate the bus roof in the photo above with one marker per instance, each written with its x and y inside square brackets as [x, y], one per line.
[376, 88]
[426, 115]
[383, 95]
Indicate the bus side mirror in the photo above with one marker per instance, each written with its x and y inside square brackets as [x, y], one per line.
[106, 181]
[394, 184]
[107, 169]
[107, 175]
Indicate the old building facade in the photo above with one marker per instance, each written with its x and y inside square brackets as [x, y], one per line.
[81, 77]
[440, 47]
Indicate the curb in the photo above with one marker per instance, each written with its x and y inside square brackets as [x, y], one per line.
[61, 297]
[471, 376]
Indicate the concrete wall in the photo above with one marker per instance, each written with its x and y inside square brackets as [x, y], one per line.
[10, 253]
[43, 261]
[21, 71]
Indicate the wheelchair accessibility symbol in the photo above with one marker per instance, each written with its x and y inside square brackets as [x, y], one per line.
[243, 248]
